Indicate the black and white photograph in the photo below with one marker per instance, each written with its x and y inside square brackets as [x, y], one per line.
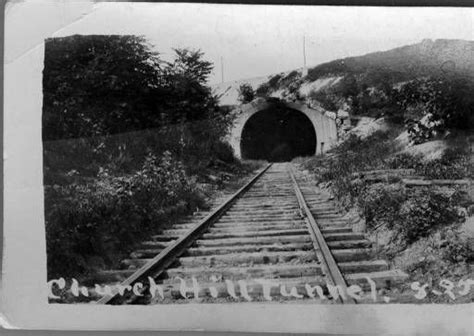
[282, 154]
[238, 167]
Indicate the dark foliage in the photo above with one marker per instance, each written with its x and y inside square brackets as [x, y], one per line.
[438, 77]
[188, 96]
[263, 90]
[458, 248]
[381, 203]
[246, 93]
[409, 214]
[126, 137]
[99, 85]
[422, 214]
[438, 104]
[93, 224]
[273, 82]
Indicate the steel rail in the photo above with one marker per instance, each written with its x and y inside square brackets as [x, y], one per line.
[165, 258]
[328, 263]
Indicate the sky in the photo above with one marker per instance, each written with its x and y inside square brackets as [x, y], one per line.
[257, 40]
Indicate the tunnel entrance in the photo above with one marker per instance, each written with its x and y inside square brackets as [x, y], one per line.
[278, 134]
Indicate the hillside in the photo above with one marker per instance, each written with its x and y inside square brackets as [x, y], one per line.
[422, 59]
[427, 58]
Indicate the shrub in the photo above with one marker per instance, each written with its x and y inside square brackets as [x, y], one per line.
[108, 84]
[293, 90]
[445, 103]
[458, 248]
[421, 214]
[106, 218]
[403, 161]
[353, 155]
[274, 81]
[263, 90]
[223, 152]
[246, 93]
[104, 191]
[380, 204]
[410, 216]
[424, 129]
[292, 75]
[453, 164]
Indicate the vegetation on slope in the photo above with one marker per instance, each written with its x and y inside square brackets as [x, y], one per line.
[425, 86]
[426, 58]
[130, 143]
[417, 228]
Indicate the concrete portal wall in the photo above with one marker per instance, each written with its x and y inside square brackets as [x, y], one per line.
[324, 126]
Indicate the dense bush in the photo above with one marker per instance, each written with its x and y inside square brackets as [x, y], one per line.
[263, 90]
[422, 214]
[107, 217]
[444, 101]
[380, 204]
[99, 85]
[246, 93]
[455, 163]
[126, 137]
[458, 248]
[94, 85]
[274, 81]
[410, 215]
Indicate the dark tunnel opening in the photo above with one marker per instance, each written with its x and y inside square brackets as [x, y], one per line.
[278, 134]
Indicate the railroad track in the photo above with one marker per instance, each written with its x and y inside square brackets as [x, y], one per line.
[278, 238]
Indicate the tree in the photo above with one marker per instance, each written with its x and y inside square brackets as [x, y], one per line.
[190, 65]
[95, 85]
[185, 80]
[101, 85]
[263, 90]
[439, 103]
[246, 93]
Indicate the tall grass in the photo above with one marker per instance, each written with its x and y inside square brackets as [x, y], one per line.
[409, 214]
[103, 195]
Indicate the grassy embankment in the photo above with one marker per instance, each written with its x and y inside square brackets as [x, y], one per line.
[420, 230]
[104, 195]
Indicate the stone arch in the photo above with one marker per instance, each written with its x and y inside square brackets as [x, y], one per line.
[324, 126]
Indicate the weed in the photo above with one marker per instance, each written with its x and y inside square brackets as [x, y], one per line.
[458, 248]
[107, 217]
[381, 203]
[421, 214]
